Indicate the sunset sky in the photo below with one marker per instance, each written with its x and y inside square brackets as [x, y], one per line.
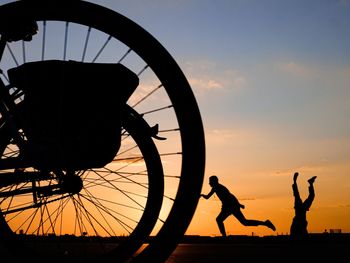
[272, 81]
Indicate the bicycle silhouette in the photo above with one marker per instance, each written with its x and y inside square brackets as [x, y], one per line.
[101, 139]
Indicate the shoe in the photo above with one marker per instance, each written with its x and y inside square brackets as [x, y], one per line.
[270, 225]
[312, 180]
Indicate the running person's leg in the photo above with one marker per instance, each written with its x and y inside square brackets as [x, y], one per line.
[220, 221]
[251, 222]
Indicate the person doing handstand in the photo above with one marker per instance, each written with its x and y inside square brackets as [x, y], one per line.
[298, 229]
[231, 206]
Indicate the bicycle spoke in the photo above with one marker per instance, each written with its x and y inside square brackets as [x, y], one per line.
[43, 41]
[124, 56]
[65, 41]
[149, 94]
[23, 51]
[12, 54]
[101, 49]
[86, 44]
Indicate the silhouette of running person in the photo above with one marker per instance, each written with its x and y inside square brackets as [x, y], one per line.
[230, 206]
[298, 229]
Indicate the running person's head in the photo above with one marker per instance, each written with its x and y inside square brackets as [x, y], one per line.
[213, 180]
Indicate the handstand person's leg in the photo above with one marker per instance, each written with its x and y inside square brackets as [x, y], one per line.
[297, 200]
[312, 180]
[308, 201]
[295, 177]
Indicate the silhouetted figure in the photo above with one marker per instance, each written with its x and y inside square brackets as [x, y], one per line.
[298, 229]
[231, 206]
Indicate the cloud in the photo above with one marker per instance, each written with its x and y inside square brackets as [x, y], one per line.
[206, 75]
[306, 169]
[205, 84]
[334, 206]
[247, 199]
[345, 72]
[222, 135]
[344, 205]
[229, 136]
[344, 3]
[200, 65]
[296, 69]
[235, 79]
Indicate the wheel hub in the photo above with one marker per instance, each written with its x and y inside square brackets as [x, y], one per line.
[72, 184]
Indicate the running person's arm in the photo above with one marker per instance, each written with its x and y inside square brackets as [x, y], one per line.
[209, 194]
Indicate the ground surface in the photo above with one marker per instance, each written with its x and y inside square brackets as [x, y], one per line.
[262, 249]
[331, 248]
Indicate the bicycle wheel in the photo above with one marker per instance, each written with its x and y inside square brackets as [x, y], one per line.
[163, 98]
[103, 201]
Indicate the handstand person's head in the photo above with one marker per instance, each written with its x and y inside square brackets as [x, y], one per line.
[213, 180]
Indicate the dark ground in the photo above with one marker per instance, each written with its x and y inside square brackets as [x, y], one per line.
[319, 247]
[331, 248]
